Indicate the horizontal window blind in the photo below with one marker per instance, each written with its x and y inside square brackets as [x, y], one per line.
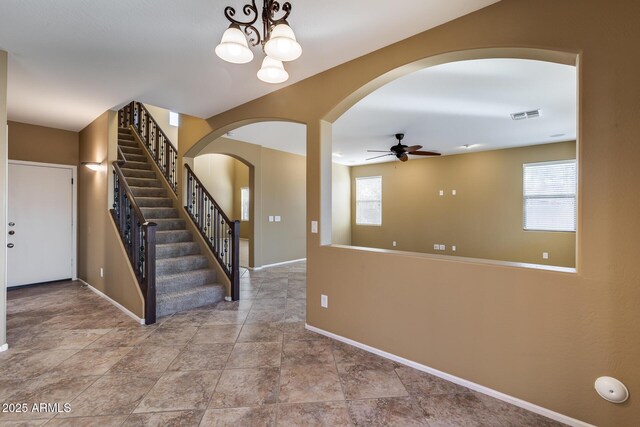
[550, 196]
[369, 200]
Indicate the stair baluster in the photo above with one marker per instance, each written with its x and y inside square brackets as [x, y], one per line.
[221, 234]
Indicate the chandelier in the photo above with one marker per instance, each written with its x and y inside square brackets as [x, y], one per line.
[277, 39]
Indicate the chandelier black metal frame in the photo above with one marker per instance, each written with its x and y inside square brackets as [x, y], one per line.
[269, 10]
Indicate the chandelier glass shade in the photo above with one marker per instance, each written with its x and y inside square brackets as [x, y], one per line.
[277, 39]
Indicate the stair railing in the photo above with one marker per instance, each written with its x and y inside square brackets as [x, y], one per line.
[162, 151]
[221, 234]
[138, 236]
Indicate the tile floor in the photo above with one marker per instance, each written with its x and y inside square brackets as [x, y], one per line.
[248, 363]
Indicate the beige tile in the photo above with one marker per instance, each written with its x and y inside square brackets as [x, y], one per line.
[246, 387]
[177, 391]
[91, 361]
[295, 331]
[104, 421]
[259, 316]
[270, 304]
[306, 353]
[145, 359]
[161, 419]
[370, 381]
[255, 355]
[112, 395]
[403, 411]
[506, 414]
[30, 364]
[226, 317]
[329, 414]
[216, 334]
[269, 332]
[257, 416]
[66, 339]
[345, 353]
[123, 337]
[175, 337]
[421, 383]
[310, 383]
[203, 357]
[464, 410]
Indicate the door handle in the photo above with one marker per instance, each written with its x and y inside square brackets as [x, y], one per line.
[10, 245]
[11, 233]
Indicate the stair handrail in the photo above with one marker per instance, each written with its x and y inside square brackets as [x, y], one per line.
[154, 140]
[221, 233]
[138, 236]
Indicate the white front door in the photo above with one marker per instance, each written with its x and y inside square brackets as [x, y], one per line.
[40, 241]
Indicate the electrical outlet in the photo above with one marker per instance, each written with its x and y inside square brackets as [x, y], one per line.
[436, 247]
[545, 255]
[453, 248]
[270, 218]
[314, 227]
[101, 272]
[395, 243]
[278, 218]
[443, 248]
[324, 301]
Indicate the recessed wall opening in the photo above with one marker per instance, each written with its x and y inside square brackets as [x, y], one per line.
[434, 162]
[258, 171]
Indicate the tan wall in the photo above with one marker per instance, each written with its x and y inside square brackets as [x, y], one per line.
[99, 245]
[240, 180]
[217, 173]
[279, 189]
[161, 116]
[42, 144]
[483, 220]
[537, 335]
[341, 204]
[4, 156]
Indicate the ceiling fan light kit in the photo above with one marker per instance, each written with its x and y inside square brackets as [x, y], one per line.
[277, 39]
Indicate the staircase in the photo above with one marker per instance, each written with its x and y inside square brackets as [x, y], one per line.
[184, 278]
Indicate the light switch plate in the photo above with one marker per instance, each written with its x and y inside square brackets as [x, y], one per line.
[270, 218]
[314, 227]
[454, 192]
[453, 248]
[436, 247]
[395, 243]
[545, 255]
[278, 218]
[324, 301]
[442, 192]
[443, 247]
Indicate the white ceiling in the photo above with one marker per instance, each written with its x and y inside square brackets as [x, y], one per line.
[444, 108]
[71, 60]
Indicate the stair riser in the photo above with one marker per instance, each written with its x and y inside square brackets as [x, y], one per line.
[148, 192]
[172, 251]
[159, 213]
[132, 150]
[180, 265]
[127, 143]
[136, 157]
[144, 182]
[174, 237]
[166, 225]
[139, 173]
[138, 166]
[155, 202]
[192, 279]
[200, 299]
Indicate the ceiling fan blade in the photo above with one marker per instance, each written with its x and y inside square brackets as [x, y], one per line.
[377, 157]
[412, 148]
[425, 153]
[404, 157]
[377, 151]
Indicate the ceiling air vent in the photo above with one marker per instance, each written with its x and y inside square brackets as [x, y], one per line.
[526, 115]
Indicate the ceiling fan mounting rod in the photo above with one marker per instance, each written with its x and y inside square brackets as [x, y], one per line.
[269, 10]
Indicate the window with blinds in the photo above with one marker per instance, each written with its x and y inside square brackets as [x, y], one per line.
[369, 200]
[550, 196]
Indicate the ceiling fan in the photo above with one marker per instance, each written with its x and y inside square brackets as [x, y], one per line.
[402, 151]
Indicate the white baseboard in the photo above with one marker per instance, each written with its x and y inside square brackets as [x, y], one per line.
[276, 264]
[4, 347]
[114, 302]
[457, 380]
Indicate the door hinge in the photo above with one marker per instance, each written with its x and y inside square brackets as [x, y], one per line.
[71, 181]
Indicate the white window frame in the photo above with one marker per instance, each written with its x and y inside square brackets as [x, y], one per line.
[573, 195]
[356, 198]
[245, 215]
